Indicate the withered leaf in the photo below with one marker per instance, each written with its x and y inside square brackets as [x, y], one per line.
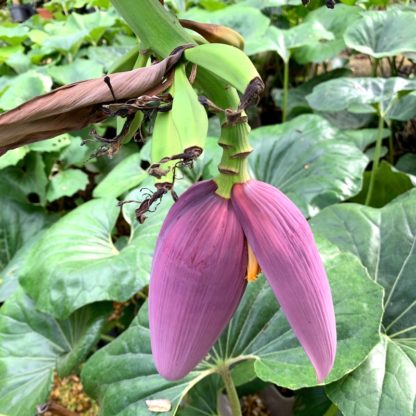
[77, 105]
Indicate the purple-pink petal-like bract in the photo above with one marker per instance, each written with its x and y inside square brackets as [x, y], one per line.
[199, 269]
[197, 279]
[284, 246]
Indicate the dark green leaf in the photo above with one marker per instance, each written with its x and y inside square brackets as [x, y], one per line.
[125, 176]
[19, 227]
[306, 160]
[384, 239]
[407, 163]
[358, 94]
[389, 183]
[33, 344]
[66, 183]
[335, 21]
[383, 33]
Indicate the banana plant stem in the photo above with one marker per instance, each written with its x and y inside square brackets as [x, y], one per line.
[285, 89]
[231, 390]
[376, 159]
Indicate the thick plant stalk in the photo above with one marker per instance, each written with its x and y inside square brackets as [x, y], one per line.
[376, 160]
[157, 29]
[231, 391]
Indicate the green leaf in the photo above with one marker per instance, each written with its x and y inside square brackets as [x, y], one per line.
[384, 239]
[260, 329]
[125, 176]
[404, 109]
[383, 33]
[12, 157]
[76, 261]
[313, 402]
[359, 94]
[407, 163]
[389, 183]
[24, 87]
[51, 145]
[66, 183]
[25, 183]
[33, 345]
[305, 159]
[364, 137]
[78, 70]
[284, 41]
[20, 225]
[248, 21]
[296, 100]
[335, 21]
[122, 376]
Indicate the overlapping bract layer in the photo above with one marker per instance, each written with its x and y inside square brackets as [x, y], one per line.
[284, 246]
[197, 279]
[199, 268]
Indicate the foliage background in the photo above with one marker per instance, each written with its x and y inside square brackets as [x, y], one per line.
[74, 268]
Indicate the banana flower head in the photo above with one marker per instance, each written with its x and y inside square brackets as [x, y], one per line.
[207, 250]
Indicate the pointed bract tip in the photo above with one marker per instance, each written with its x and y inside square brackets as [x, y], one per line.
[284, 246]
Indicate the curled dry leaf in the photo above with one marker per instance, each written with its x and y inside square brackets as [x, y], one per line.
[77, 105]
[215, 33]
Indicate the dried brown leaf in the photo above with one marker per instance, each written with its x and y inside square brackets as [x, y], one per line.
[77, 105]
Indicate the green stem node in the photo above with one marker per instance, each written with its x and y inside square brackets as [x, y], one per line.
[233, 167]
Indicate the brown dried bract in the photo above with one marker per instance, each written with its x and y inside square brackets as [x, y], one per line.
[77, 105]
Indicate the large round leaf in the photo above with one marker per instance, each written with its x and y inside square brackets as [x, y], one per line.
[20, 226]
[335, 21]
[33, 345]
[248, 21]
[122, 375]
[359, 94]
[385, 241]
[76, 261]
[305, 159]
[383, 33]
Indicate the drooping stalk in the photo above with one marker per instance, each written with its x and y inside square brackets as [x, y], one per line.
[231, 390]
[285, 89]
[376, 159]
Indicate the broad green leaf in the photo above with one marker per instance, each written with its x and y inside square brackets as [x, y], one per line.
[359, 94]
[106, 56]
[33, 345]
[313, 402]
[248, 21]
[363, 138]
[122, 376]
[13, 34]
[26, 183]
[383, 33]
[125, 176]
[20, 62]
[335, 21]
[389, 184]
[404, 109]
[296, 99]
[76, 154]
[260, 329]
[407, 163]
[305, 159]
[60, 37]
[12, 157]
[51, 145]
[76, 261]
[79, 70]
[284, 41]
[384, 239]
[24, 87]
[66, 183]
[20, 225]
[7, 51]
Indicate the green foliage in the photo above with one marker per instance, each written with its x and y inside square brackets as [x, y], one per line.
[67, 249]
